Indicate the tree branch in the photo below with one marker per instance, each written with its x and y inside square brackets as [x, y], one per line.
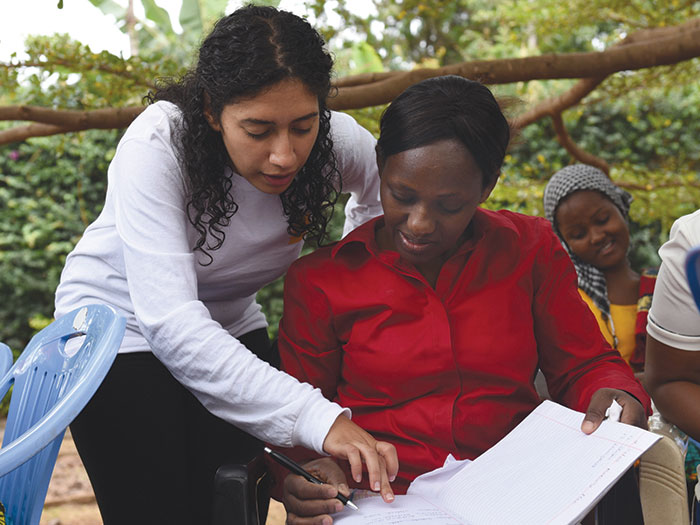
[108, 118]
[672, 48]
[576, 152]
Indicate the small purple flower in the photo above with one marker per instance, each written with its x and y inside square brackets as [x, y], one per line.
[14, 154]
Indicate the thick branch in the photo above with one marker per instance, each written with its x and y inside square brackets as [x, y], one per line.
[576, 152]
[674, 48]
[585, 86]
[109, 118]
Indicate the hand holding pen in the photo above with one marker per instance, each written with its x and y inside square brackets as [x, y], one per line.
[295, 468]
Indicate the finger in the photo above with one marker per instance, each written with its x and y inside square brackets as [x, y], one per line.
[305, 499]
[632, 412]
[385, 487]
[311, 508]
[301, 489]
[600, 401]
[355, 460]
[391, 458]
[374, 467]
[293, 519]
[329, 472]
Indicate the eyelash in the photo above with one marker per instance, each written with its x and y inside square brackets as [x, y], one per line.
[260, 136]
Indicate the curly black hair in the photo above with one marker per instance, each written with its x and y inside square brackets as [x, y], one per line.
[246, 52]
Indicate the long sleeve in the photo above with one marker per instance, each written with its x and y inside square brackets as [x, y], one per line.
[148, 199]
[574, 357]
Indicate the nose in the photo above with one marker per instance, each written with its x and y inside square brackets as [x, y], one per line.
[420, 222]
[282, 153]
[597, 235]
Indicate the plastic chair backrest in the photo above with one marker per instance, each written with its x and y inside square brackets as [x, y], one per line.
[692, 271]
[53, 379]
[662, 485]
[5, 359]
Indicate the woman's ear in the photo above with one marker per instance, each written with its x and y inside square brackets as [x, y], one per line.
[213, 122]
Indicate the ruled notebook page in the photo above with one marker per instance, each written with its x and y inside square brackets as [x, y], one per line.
[545, 471]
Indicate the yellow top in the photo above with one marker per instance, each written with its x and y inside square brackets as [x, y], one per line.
[624, 318]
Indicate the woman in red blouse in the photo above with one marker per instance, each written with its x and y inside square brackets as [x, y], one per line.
[431, 321]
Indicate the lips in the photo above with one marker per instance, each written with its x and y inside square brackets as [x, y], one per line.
[607, 248]
[414, 246]
[279, 180]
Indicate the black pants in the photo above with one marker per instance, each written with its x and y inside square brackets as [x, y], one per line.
[622, 504]
[151, 449]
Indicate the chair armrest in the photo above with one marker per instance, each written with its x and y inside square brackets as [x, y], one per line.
[241, 493]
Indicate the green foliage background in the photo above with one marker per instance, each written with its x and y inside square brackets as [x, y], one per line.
[645, 124]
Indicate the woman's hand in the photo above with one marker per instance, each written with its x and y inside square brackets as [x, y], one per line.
[311, 504]
[346, 440]
[632, 410]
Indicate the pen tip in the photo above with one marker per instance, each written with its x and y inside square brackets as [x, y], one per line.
[352, 505]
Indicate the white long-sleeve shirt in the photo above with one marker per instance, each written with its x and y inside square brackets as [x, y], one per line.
[137, 256]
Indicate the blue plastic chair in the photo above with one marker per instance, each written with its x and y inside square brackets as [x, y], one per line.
[53, 379]
[5, 359]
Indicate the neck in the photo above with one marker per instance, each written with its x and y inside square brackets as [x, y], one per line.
[622, 283]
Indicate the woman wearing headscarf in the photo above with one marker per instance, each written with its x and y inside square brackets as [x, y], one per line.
[590, 214]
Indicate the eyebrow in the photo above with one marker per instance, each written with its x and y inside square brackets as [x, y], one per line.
[270, 122]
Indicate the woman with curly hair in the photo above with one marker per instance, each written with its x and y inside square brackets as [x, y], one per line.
[210, 192]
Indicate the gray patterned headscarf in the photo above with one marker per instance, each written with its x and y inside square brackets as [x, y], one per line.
[565, 182]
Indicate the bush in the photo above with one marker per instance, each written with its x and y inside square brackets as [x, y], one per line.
[50, 189]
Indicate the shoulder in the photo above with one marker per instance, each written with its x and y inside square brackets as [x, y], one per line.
[684, 235]
[347, 132]
[158, 122]
[686, 231]
[335, 260]
[527, 229]
[314, 265]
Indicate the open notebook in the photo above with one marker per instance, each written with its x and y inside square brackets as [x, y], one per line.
[545, 471]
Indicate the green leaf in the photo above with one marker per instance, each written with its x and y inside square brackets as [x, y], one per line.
[159, 16]
[110, 7]
[366, 59]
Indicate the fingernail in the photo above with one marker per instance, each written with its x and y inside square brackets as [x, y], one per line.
[588, 426]
[343, 488]
[358, 478]
[392, 478]
[389, 497]
[338, 507]
[376, 486]
[326, 521]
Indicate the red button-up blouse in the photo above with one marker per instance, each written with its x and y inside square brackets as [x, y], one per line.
[449, 369]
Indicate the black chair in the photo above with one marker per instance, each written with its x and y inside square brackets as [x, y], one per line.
[242, 493]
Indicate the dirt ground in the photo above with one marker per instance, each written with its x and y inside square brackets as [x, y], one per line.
[70, 500]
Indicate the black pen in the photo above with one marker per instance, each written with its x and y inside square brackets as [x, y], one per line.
[298, 469]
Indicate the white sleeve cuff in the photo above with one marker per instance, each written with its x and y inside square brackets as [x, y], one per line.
[315, 421]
